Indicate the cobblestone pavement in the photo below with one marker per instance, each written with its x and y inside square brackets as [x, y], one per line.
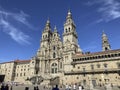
[31, 87]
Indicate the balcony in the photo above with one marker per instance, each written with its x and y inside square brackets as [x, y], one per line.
[96, 71]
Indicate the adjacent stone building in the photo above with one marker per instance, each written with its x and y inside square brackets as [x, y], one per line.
[61, 61]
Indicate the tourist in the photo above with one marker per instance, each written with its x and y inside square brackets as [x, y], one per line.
[2, 87]
[74, 87]
[26, 88]
[66, 87]
[6, 87]
[37, 88]
[34, 88]
[56, 88]
[69, 87]
[11, 87]
[80, 87]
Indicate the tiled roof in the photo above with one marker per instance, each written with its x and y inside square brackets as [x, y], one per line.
[96, 53]
[21, 61]
[17, 61]
[7, 62]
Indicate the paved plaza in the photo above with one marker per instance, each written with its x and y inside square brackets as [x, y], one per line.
[31, 87]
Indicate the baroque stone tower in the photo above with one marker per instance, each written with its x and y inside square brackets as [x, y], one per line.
[105, 43]
[54, 56]
[70, 35]
[70, 42]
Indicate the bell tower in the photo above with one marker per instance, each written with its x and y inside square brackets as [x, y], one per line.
[70, 35]
[105, 43]
[46, 34]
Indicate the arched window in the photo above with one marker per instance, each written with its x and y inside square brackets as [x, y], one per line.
[53, 47]
[106, 48]
[66, 30]
[54, 55]
[69, 29]
[54, 35]
[60, 65]
[46, 36]
[54, 68]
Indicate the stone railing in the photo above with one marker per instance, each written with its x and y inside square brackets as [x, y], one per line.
[95, 71]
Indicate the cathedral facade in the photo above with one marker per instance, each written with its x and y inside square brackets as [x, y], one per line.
[62, 62]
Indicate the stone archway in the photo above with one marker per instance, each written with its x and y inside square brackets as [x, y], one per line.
[55, 81]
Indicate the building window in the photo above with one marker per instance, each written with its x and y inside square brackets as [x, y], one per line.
[66, 30]
[60, 64]
[24, 74]
[69, 29]
[20, 74]
[17, 74]
[84, 70]
[54, 48]
[105, 65]
[92, 67]
[78, 67]
[54, 55]
[54, 68]
[106, 48]
[98, 65]
[118, 64]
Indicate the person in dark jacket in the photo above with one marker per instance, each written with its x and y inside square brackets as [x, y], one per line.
[6, 87]
[2, 87]
[56, 88]
[26, 88]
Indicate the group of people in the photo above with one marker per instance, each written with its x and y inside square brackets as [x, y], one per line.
[74, 87]
[55, 88]
[35, 88]
[5, 87]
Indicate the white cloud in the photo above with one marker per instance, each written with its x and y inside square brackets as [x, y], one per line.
[108, 9]
[9, 27]
[15, 34]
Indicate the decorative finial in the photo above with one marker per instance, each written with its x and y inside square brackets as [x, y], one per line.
[103, 34]
[69, 12]
[55, 29]
[48, 20]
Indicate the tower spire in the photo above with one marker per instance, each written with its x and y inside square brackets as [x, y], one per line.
[69, 19]
[47, 26]
[55, 29]
[105, 43]
[69, 14]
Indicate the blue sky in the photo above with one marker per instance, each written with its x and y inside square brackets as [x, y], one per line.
[22, 23]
